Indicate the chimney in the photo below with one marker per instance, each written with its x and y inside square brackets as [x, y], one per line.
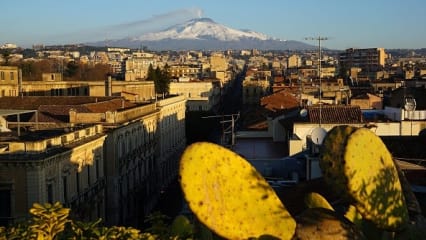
[108, 87]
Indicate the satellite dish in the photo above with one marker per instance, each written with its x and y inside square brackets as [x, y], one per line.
[318, 135]
[303, 112]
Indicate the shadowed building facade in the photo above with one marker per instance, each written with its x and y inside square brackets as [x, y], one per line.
[106, 157]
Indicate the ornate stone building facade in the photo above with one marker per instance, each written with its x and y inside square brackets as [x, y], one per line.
[143, 147]
[117, 174]
[65, 167]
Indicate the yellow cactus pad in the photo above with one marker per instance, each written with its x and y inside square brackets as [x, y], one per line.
[354, 216]
[373, 180]
[316, 200]
[229, 196]
[331, 154]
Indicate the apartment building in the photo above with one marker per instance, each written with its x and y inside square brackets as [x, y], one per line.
[144, 145]
[368, 59]
[294, 61]
[138, 148]
[136, 66]
[254, 89]
[52, 84]
[200, 95]
[218, 62]
[219, 68]
[50, 165]
[190, 71]
[9, 76]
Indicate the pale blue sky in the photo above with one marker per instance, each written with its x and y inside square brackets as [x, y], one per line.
[355, 23]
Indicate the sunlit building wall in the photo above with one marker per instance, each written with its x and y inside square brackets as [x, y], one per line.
[201, 95]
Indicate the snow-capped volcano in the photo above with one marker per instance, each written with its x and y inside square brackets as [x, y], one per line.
[202, 28]
[204, 34]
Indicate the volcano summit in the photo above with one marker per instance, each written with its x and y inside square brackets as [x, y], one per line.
[205, 34]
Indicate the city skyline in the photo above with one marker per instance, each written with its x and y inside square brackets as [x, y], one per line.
[360, 24]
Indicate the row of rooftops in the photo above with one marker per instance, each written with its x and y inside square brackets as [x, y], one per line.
[32, 118]
[91, 104]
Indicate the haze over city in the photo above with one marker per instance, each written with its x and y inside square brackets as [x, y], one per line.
[360, 24]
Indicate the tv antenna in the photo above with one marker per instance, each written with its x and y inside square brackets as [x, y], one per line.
[319, 39]
[228, 126]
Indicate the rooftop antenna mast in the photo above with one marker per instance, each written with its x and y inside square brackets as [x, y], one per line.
[230, 130]
[319, 39]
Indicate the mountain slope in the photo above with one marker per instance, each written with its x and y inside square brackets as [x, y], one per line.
[201, 28]
[205, 34]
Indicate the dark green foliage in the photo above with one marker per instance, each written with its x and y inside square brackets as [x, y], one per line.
[72, 69]
[160, 77]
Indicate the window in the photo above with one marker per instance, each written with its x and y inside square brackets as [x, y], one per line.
[123, 148]
[88, 175]
[5, 206]
[2, 75]
[49, 193]
[65, 187]
[49, 143]
[12, 76]
[63, 140]
[77, 181]
[97, 167]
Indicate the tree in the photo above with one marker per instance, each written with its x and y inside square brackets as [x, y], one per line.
[165, 76]
[71, 69]
[6, 56]
[97, 72]
[150, 73]
[161, 79]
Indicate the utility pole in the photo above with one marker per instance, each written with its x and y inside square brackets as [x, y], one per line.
[319, 39]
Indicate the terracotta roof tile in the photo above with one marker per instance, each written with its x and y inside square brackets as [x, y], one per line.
[335, 114]
[111, 105]
[278, 79]
[34, 102]
[279, 101]
[56, 109]
[56, 113]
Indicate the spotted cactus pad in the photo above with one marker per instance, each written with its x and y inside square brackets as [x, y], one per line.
[229, 196]
[362, 166]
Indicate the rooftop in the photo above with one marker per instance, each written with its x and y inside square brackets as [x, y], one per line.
[260, 148]
[34, 102]
[279, 101]
[334, 114]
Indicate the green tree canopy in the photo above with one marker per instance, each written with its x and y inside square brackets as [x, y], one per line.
[160, 77]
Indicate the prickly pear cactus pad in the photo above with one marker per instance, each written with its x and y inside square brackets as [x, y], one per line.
[229, 196]
[331, 154]
[366, 171]
[315, 200]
